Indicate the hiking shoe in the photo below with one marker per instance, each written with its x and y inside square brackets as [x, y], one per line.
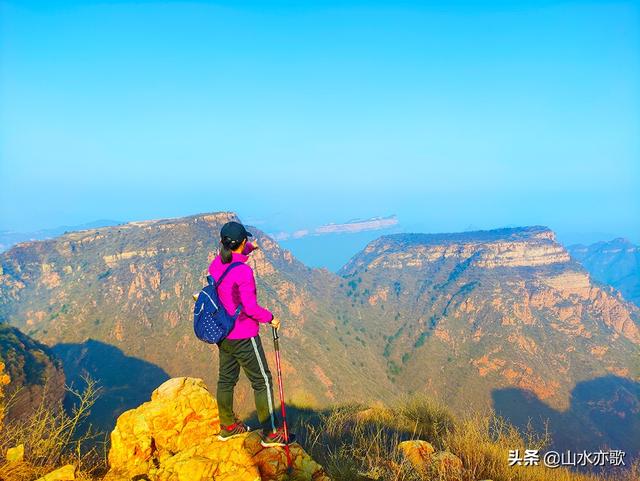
[233, 431]
[276, 438]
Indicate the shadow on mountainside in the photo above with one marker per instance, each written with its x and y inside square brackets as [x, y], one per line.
[604, 413]
[125, 382]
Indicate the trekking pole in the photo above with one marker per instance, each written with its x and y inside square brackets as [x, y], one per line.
[276, 345]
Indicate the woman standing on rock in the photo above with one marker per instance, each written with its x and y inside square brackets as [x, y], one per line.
[242, 347]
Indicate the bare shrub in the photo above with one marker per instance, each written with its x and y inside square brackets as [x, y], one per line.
[53, 437]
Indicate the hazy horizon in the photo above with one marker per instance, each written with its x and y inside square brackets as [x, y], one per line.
[301, 245]
[452, 116]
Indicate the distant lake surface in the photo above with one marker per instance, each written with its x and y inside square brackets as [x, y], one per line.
[330, 251]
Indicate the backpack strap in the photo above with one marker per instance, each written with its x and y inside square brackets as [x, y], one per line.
[233, 264]
[212, 282]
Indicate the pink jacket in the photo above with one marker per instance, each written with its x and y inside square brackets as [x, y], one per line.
[239, 288]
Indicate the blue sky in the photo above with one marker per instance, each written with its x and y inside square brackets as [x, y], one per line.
[452, 115]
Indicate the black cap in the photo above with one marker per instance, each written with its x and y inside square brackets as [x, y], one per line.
[234, 231]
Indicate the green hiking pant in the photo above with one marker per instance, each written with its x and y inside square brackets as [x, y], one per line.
[249, 354]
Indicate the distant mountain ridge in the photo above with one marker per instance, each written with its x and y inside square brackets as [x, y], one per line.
[615, 262]
[526, 233]
[9, 238]
[505, 247]
[464, 317]
[350, 227]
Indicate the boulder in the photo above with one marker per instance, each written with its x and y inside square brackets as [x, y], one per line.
[418, 453]
[173, 437]
[446, 466]
[15, 455]
[65, 473]
[430, 463]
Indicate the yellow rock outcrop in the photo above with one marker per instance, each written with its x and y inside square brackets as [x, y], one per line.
[173, 437]
[418, 453]
[15, 454]
[432, 464]
[65, 473]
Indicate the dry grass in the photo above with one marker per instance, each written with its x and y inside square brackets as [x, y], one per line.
[355, 443]
[53, 438]
[483, 443]
[352, 447]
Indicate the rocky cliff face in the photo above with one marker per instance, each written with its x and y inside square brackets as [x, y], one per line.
[31, 372]
[524, 247]
[471, 316]
[616, 263]
[495, 304]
